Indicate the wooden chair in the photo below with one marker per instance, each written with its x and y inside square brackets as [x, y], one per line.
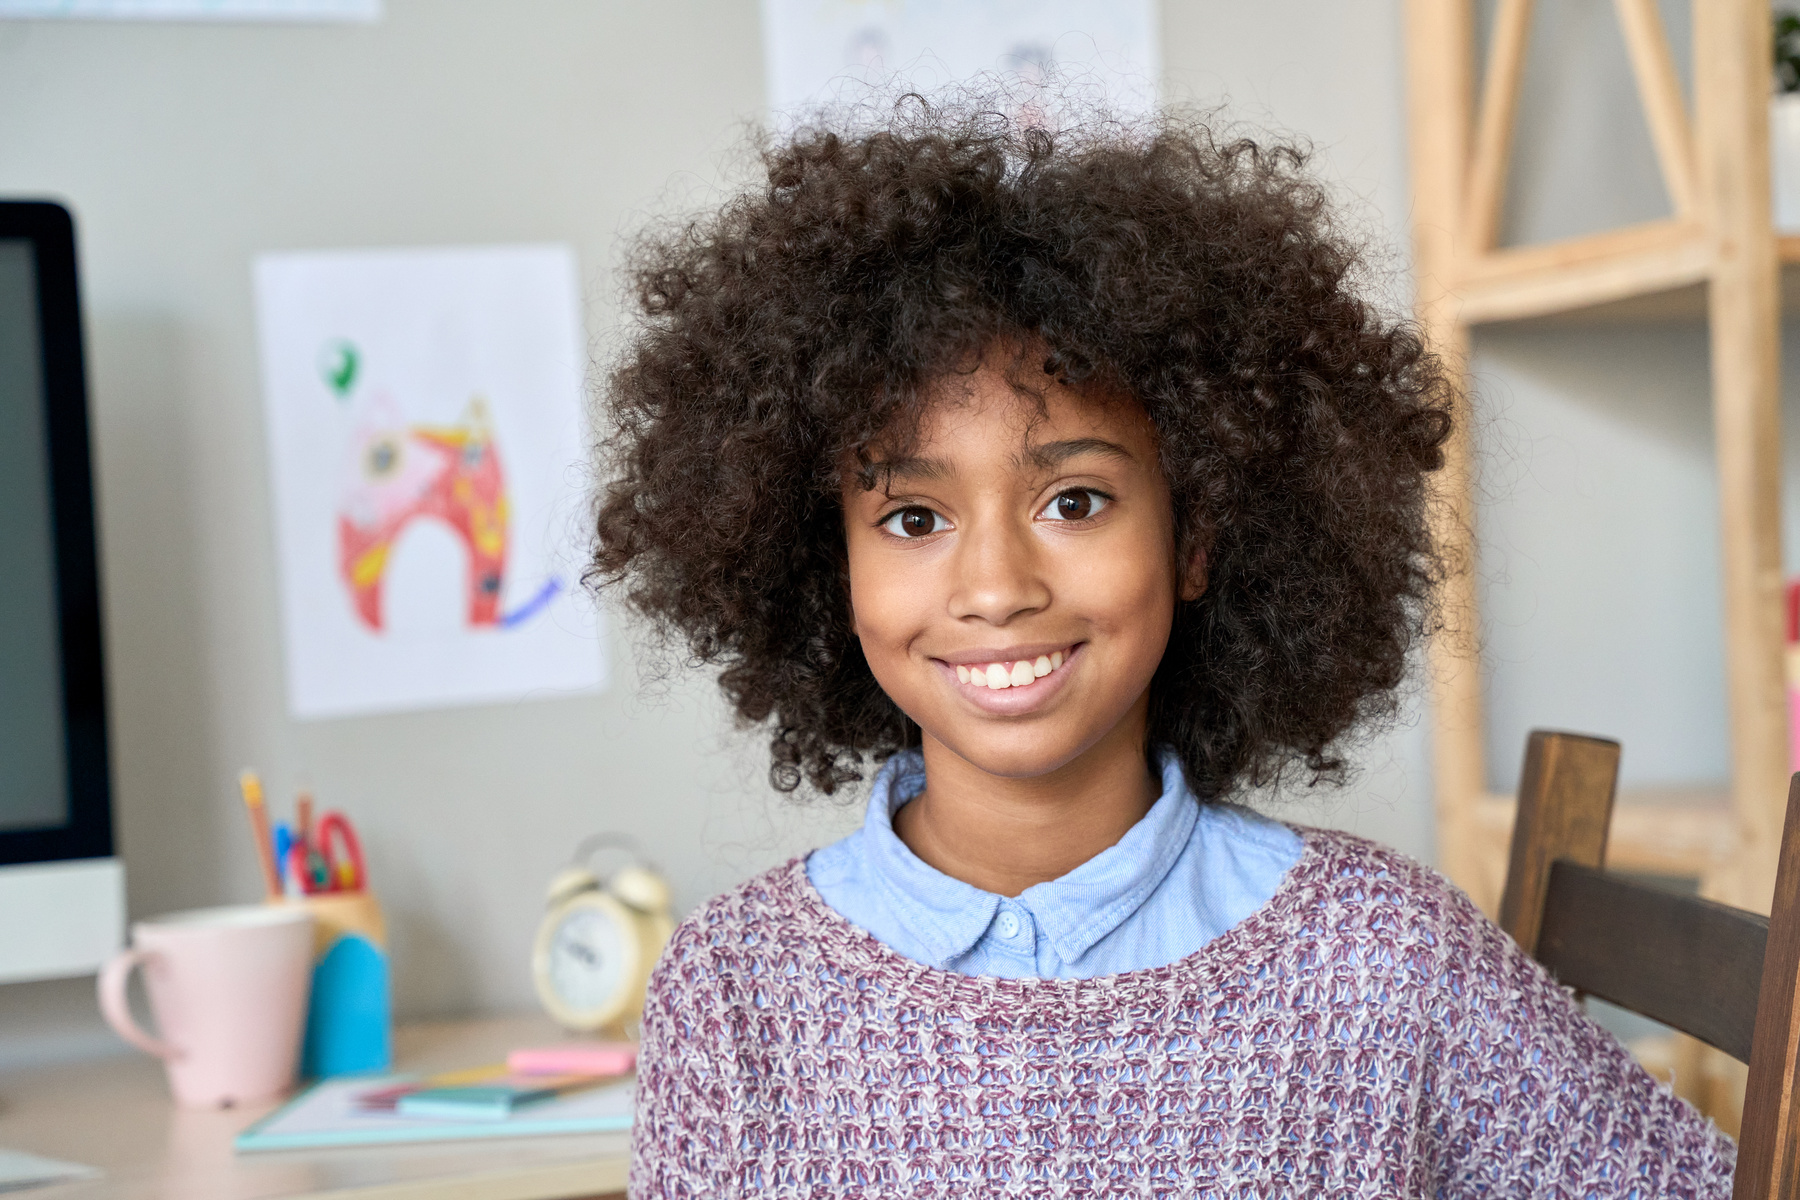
[1720, 974]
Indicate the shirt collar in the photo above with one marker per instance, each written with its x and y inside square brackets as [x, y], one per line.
[1074, 911]
[948, 915]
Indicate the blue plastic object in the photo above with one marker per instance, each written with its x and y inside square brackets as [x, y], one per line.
[349, 1022]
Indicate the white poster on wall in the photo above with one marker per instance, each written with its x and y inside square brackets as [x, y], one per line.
[818, 51]
[196, 10]
[424, 418]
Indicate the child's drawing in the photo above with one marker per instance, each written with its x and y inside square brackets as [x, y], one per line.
[424, 425]
[401, 473]
[818, 51]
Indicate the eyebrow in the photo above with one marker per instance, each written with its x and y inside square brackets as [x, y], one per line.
[1046, 456]
[1050, 455]
[907, 467]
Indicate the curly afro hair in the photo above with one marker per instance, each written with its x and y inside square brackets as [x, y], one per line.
[802, 324]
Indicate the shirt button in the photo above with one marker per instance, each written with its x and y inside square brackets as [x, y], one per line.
[1008, 925]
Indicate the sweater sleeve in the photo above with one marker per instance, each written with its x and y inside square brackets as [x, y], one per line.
[680, 1144]
[1526, 1096]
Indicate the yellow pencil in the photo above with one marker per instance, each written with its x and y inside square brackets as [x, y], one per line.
[251, 787]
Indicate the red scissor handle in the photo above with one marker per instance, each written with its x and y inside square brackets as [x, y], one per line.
[336, 822]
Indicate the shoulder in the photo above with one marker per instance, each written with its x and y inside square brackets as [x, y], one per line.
[1356, 902]
[1505, 1040]
[1353, 873]
[717, 966]
[768, 918]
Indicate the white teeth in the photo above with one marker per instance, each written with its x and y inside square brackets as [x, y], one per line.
[998, 675]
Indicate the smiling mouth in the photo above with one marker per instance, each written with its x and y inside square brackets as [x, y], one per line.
[1018, 673]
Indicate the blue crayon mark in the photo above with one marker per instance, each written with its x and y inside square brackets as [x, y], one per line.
[533, 606]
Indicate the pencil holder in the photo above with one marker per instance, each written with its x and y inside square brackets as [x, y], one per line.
[349, 1021]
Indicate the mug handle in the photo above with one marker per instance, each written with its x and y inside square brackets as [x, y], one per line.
[117, 1010]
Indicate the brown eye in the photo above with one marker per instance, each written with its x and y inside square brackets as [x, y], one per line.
[913, 522]
[1076, 504]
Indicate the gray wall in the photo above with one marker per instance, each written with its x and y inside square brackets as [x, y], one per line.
[1599, 525]
[186, 149]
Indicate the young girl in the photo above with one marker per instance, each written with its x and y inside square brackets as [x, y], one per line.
[1068, 476]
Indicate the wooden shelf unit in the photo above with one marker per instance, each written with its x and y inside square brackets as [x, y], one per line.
[1717, 259]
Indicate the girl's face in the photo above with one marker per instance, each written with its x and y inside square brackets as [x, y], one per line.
[1013, 578]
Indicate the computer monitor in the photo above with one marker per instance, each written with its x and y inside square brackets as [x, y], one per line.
[62, 892]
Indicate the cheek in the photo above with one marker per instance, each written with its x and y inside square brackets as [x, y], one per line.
[884, 603]
[887, 615]
[1131, 598]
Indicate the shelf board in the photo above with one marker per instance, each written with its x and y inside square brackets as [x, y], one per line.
[1680, 832]
[1642, 275]
[1684, 832]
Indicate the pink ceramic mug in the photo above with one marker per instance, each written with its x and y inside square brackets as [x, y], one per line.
[228, 989]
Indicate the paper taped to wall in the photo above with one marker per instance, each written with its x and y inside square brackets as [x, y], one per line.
[424, 416]
[197, 10]
[820, 51]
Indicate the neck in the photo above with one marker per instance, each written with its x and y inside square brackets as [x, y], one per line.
[1004, 835]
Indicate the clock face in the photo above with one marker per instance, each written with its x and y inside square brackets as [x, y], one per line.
[587, 959]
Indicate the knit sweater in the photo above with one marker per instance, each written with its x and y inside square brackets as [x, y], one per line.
[1366, 1033]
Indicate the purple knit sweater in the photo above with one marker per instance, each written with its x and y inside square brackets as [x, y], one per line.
[1367, 1033]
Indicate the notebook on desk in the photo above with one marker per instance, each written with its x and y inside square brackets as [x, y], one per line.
[329, 1114]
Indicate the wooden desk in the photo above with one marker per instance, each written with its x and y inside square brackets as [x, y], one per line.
[115, 1114]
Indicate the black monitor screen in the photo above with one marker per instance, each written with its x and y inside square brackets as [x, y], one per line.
[55, 793]
[33, 782]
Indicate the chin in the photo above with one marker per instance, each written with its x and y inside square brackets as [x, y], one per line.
[1035, 754]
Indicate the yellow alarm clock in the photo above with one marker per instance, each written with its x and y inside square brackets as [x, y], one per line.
[598, 941]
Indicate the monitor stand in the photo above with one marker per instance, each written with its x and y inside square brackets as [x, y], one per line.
[60, 918]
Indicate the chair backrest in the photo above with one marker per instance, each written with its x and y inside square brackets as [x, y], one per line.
[1723, 975]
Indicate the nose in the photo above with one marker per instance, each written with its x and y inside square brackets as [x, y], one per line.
[999, 573]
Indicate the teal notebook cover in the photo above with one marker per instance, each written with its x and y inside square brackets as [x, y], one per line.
[471, 1103]
[327, 1114]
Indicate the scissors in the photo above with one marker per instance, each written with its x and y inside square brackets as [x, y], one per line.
[346, 874]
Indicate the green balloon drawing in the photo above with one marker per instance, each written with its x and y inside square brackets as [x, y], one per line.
[338, 364]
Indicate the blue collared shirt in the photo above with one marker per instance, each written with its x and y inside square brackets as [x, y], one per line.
[1180, 877]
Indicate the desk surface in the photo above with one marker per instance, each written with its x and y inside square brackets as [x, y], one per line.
[115, 1114]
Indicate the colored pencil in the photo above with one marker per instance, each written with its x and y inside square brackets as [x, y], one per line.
[251, 787]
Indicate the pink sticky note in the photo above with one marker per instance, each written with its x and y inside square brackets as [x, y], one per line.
[575, 1058]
